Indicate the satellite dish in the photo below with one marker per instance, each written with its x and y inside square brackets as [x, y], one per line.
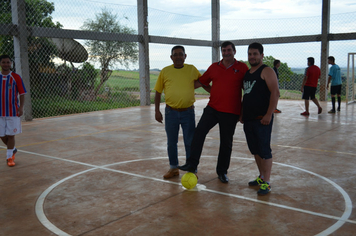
[70, 50]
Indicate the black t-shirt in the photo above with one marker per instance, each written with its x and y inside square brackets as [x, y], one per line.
[276, 70]
[256, 95]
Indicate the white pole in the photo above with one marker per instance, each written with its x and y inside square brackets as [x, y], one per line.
[353, 77]
[21, 55]
[347, 79]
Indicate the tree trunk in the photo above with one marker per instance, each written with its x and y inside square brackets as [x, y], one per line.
[104, 76]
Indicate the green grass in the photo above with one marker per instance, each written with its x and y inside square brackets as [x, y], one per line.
[124, 92]
[128, 80]
[57, 105]
[201, 91]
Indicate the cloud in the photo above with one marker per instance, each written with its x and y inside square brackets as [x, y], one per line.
[239, 20]
[248, 9]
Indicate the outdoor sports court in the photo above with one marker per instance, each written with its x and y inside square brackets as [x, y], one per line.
[100, 173]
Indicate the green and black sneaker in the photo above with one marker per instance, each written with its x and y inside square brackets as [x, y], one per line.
[264, 189]
[256, 182]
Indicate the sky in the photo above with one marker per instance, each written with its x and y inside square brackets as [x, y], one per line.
[239, 20]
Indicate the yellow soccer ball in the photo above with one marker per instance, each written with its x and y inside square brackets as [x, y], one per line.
[189, 180]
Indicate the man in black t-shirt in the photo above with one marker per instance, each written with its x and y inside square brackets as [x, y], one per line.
[260, 99]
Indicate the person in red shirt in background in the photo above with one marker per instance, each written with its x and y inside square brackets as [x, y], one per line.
[310, 82]
[224, 108]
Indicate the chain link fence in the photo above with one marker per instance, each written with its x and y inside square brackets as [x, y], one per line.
[293, 56]
[72, 76]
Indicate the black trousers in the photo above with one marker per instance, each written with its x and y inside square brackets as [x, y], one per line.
[227, 124]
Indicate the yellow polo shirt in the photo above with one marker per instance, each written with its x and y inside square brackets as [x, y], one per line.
[178, 85]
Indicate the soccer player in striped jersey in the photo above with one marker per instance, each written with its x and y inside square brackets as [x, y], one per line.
[11, 107]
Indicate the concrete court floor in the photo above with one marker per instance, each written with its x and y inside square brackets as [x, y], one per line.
[100, 173]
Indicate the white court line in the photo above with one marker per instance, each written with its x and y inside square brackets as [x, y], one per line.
[40, 203]
[238, 196]
[348, 203]
[340, 220]
[311, 149]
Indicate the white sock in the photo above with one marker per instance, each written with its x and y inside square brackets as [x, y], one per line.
[9, 153]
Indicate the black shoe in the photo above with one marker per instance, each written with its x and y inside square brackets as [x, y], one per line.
[223, 178]
[187, 167]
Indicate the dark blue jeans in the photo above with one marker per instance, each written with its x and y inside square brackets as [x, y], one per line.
[227, 124]
[174, 119]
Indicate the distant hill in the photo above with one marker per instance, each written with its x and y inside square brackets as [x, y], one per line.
[296, 70]
[300, 70]
[155, 70]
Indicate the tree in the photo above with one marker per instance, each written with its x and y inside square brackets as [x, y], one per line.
[38, 13]
[40, 50]
[107, 53]
[285, 73]
[75, 82]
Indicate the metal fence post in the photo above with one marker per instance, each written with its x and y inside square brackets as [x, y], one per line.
[144, 65]
[325, 28]
[20, 48]
[215, 30]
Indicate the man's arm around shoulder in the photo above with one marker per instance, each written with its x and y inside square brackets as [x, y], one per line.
[197, 84]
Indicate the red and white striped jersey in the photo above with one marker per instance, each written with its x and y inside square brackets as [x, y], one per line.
[11, 86]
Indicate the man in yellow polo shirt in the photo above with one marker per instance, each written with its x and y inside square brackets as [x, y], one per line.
[178, 82]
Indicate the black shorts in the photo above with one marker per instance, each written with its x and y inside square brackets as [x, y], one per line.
[258, 138]
[336, 89]
[309, 93]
